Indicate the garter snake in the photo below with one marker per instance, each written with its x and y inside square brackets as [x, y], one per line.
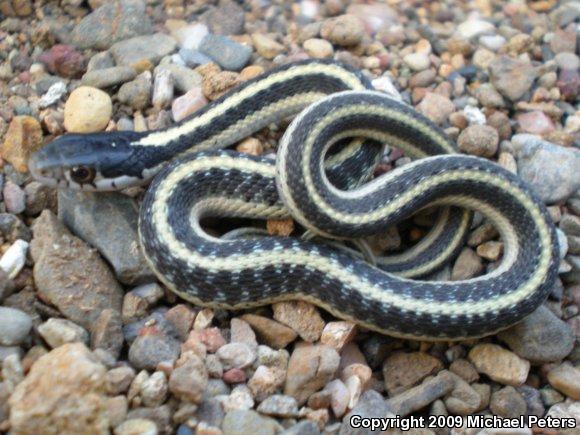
[317, 159]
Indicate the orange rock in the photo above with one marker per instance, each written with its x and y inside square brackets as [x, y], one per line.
[24, 136]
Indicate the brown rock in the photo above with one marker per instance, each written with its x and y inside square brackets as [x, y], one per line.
[566, 379]
[107, 332]
[338, 334]
[266, 46]
[499, 364]
[266, 381]
[64, 392]
[272, 333]
[310, 368]
[405, 370]
[215, 85]
[422, 395]
[479, 140]
[436, 107]
[302, 317]
[467, 265]
[70, 275]
[24, 136]
[64, 60]
[344, 30]
[536, 122]
[188, 381]
[512, 77]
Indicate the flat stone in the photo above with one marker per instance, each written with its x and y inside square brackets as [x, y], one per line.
[420, 396]
[279, 405]
[147, 47]
[405, 370]
[273, 333]
[70, 275]
[107, 77]
[108, 221]
[185, 79]
[228, 54]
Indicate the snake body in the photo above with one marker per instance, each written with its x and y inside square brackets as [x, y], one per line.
[318, 158]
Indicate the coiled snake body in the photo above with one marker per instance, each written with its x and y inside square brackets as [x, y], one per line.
[317, 159]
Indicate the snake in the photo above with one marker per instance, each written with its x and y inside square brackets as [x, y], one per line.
[323, 177]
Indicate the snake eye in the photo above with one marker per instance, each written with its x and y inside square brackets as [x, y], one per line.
[82, 174]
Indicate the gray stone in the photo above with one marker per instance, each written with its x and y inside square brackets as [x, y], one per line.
[147, 47]
[12, 228]
[279, 405]
[305, 427]
[243, 422]
[226, 53]
[151, 349]
[105, 78]
[371, 404]
[211, 411]
[14, 326]
[137, 93]
[540, 338]
[69, 274]
[57, 332]
[112, 22]
[550, 169]
[193, 58]
[108, 221]
[100, 61]
[107, 332]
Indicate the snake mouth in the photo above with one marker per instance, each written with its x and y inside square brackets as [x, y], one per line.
[51, 177]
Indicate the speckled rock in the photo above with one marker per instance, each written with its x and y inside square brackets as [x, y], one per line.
[151, 348]
[24, 136]
[371, 404]
[402, 371]
[108, 221]
[507, 403]
[512, 77]
[436, 107]
[499, 364]
[64, 392]
[479, 140]
[188, 381]
[540, 338]
[113, 21]
[87, 110]
[344, 30]
[69, 274]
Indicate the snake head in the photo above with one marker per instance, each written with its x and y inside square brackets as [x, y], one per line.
[96, 161]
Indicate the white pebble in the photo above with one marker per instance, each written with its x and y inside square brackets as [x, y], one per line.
[14, 258]
[53, 94]
[474, 115]
[162, 88]
[384, 84]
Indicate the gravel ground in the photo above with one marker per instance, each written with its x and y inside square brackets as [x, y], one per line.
[91, 343]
